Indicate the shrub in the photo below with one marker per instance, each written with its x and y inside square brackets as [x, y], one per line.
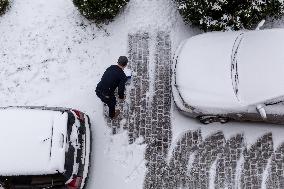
[100, 10]
[228, 14]
[3, 6]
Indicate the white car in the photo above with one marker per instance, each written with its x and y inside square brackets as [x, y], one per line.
[44, 148]
[219, 76]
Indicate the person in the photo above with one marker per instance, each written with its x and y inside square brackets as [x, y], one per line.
[114, 77]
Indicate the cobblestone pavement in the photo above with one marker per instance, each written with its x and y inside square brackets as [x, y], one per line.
[196, 162]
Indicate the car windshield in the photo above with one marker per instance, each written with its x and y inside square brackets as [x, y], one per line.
[234, 64]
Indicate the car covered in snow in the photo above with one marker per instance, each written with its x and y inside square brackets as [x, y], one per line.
[222, 76]
[44, 147]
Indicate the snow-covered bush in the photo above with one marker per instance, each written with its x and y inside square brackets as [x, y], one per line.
[228, 14]
[100, 10]
[3, 5]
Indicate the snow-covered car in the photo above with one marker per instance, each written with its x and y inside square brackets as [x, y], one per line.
[44, 147]
[222, 76]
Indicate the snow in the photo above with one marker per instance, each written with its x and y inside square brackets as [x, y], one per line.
[260, 64]
[252, 131]
[123, 164]
[87, 153]
[52, 56]
[74, 140]
[212, 175]
[149, 15]
[202, 61]
[239, 168]
[37, 146]
[266, 174]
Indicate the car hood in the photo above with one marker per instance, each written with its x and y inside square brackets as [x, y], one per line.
[203, 70]
[32, 142]
[261, 66]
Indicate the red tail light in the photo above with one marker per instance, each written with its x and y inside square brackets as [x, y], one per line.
[79, 115]
[75, 183]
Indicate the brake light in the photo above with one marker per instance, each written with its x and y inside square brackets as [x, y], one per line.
[79, 115]
[75, 183]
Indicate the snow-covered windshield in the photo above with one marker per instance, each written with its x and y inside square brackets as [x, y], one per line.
[234, 64]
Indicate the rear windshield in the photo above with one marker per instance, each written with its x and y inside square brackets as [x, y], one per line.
[70, 151]
[39, 181]
[74, 154]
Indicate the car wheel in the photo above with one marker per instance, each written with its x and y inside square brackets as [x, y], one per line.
[206, 119]
[223, 120]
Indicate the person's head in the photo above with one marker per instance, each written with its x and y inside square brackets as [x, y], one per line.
[122, 61]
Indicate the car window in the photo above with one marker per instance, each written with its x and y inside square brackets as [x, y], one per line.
[234, 64]
[70, 150]
[32, 181]
[74, 154]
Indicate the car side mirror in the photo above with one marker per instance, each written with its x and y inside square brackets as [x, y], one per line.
[260, 109]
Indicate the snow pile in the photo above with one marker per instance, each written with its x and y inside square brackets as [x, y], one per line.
[149, 15]
[124, 164]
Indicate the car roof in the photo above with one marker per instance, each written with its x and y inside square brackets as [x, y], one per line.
[261, 66]
[203, 71]
[32, 141]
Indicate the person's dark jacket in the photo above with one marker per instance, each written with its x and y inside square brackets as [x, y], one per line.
[112, 78]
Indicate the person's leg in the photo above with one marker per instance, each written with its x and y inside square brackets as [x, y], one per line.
[99, 94]
[111, 105]
[102, 97]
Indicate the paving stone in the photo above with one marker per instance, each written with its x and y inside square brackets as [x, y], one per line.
[255, 162]
[160, 125]
[207, 152]
[227, 162]
[276, 173]
[178, 165]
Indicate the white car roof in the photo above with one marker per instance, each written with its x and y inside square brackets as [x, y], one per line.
[203, 72]
[261, 66]
[32, 142]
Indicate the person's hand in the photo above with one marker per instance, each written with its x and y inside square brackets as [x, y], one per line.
[121, 99]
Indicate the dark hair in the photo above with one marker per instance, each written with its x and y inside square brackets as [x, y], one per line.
[122, 61]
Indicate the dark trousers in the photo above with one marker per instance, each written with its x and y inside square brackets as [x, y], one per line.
[110, 101]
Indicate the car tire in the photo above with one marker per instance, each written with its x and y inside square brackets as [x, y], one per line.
[223, 120]
[206, 119]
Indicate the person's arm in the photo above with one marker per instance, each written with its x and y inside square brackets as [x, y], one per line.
[121, 87]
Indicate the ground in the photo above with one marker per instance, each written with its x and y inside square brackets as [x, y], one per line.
[52, 56]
